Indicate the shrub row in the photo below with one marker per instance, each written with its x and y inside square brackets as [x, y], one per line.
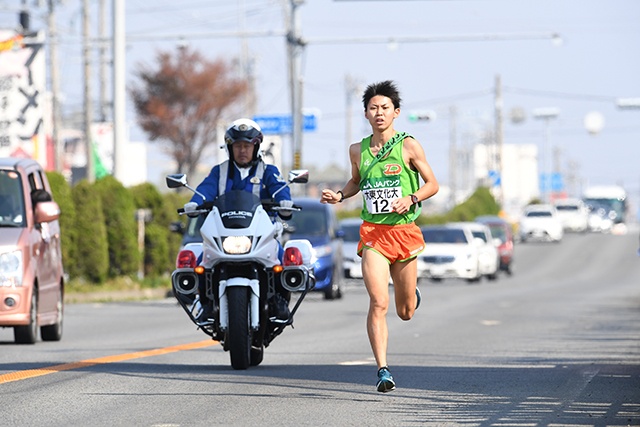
[100, 228]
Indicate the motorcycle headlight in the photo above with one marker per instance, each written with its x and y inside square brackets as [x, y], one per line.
[11, 269]
[236, 245]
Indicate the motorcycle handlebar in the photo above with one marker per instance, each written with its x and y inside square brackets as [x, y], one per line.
[268, 204]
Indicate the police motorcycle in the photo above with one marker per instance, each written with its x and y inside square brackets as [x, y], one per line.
[240, 271]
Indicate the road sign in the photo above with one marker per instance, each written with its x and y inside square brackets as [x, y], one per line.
[551, 182]
[281, 123]
[494, 178]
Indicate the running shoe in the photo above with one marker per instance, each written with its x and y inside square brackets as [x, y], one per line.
[419, 296]
[385, 380]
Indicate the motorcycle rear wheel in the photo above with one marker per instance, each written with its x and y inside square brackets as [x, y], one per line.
[239, 336]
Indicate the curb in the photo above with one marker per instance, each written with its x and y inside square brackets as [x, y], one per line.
[118, 296]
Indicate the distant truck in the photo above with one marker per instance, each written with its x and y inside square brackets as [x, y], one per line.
[611, 197]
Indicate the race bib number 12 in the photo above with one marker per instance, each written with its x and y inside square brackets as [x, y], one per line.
[381, 194]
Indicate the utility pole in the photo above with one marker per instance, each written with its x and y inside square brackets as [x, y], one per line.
[499, 136]
[351, 86]
[295, 46]
[102, 34]
[88, 116]
[547, 114]
[453, 154]
[246, 64]
[119, 88]
[58, 146]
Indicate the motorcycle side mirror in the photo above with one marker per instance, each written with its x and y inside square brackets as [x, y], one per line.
[299, 176]
[176, 180]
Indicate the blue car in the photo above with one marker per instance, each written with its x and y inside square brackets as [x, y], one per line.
[317, 223]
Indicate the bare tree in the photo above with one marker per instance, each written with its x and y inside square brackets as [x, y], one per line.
[180, 102]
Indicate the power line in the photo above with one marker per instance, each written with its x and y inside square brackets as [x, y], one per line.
[561, 95]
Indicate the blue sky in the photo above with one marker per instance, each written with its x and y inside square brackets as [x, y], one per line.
[597, 62]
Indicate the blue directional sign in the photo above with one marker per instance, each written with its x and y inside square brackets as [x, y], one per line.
[494, 178]
[281, 123]
[551, 182]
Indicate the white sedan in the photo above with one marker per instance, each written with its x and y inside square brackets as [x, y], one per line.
[489, 256]
[540, 222]
[451, 252]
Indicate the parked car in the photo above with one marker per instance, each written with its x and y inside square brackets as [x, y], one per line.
[451, 252]
[317, 222]
[351, 262]
[502, 230]
[540, 222]
[573, 214]
[31, 273]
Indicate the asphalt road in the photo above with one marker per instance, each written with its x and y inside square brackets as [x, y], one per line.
[556, 344]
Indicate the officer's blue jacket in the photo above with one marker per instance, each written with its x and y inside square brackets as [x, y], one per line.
[272, 180]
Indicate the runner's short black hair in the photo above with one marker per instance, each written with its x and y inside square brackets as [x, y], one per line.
[386, 88]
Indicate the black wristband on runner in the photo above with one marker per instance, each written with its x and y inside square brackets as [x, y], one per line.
[341, 196]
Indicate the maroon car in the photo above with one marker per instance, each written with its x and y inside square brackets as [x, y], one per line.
[502, 230]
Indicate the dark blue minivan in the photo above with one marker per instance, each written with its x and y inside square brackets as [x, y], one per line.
[317, 223]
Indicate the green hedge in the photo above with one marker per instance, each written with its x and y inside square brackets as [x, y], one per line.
[61, 191]
[99, 228]
[121, 225]
[91, 260]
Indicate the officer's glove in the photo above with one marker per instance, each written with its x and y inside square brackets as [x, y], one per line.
[285, 204]
[189, 208]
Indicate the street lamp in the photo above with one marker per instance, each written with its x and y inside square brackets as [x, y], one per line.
[547, 114]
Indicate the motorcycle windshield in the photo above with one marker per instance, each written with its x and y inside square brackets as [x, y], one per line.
[237, 208]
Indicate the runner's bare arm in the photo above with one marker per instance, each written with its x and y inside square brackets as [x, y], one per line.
[415, 157]
[352, 187]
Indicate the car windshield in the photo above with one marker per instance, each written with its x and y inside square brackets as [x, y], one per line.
[12, 213]
[479, 235]
[538, 214]
[444, 235]
[351, 232]
[567, 208]
[498, 232]
[308, 222]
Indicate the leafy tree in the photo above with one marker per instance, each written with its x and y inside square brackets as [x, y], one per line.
[92, 253]
[180, 102]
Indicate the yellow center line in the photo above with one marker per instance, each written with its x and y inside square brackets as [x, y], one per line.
[32, 373]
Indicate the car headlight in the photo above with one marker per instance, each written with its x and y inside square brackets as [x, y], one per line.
[11, 269]
[236, 245]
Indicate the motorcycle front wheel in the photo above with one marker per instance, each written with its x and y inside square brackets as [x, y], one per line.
[239, 335]
[257, 354]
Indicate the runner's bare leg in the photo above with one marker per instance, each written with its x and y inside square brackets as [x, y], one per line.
[375, 272]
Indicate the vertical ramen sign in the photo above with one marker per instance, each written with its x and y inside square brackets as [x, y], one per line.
[22, 98]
